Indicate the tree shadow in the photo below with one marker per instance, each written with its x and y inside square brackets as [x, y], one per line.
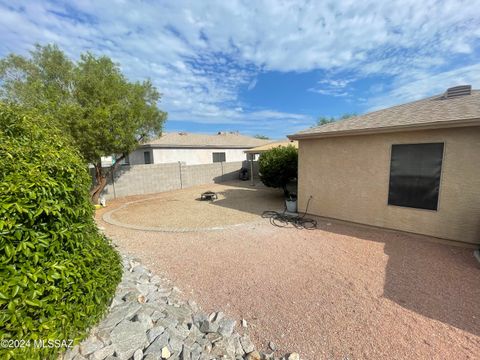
[424, 275]
[251, 200]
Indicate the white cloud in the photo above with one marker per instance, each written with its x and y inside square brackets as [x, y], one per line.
[332, 87]
[201, 53]
[423, 84]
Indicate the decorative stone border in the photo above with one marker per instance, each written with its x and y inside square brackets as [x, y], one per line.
[149, 320]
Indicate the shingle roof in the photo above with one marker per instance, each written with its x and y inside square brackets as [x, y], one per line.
[192, 140]
[434, 112]
[266, 147]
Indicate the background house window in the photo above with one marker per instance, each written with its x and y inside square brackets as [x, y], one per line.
[147, 157]
[415, 175]
[218, 157]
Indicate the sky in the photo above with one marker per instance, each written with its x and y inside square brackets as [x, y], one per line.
[263, 67]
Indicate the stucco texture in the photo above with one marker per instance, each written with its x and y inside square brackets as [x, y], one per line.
[348, 179]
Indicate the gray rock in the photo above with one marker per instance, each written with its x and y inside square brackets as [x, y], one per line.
[208, 327]
[238, 346]
[127, 337]
[103, 353]
[214, 337]
[195, 352]
[272, 346]
[155, 279]
[158, 344]
[131, 296]
[152, 357]
[140, 269]
[226, 326]
[120, 313]
[247, 344]
[185, 354]
[154, 332]
[167, 322]
[104, 335]
[182, 314]
[219, 349]
[193, 305]
[181, 331]
[138, 355]
[157, 315]
[71, 353]
[79, 357]
[90, 345]
[199, 318]
[143, 319]
[176, 344]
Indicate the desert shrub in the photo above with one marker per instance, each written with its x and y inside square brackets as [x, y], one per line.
[278, 167]
[57, 272]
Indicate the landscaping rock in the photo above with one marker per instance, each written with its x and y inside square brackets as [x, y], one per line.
[247, 344]
[165, 353]
[138, 355]
[127, 337]
[103, 353]
[293, 356]
[149, 320]
[208, 327]
[90, 345]
[254, 355]
[226, 326]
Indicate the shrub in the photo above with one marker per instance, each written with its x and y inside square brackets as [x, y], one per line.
[278, 167]
[57, 273]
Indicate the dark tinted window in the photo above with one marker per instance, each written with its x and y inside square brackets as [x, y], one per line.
[218, 157]
[415, 175]
[146, 157]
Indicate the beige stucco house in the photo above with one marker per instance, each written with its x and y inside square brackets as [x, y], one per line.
[194, 149]
[413, 167]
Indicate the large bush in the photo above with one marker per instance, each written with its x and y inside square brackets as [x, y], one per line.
[57, 273]
[278, 167]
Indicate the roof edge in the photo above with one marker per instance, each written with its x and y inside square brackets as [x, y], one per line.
[389, 129]
[174, 146]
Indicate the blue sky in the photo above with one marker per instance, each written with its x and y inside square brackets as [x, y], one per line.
[264, 67]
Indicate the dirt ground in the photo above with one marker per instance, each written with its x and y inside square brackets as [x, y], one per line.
[235, 204]
[340, 291]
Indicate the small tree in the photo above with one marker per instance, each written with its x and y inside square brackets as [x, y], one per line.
[278, 167]
[261, 137]
[91, 100]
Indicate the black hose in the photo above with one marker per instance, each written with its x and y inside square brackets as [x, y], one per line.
[283, 219]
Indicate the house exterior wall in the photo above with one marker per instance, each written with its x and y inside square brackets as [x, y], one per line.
[348, 178]
[190, 156]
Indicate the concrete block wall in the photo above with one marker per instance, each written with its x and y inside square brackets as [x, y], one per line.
[148, 179]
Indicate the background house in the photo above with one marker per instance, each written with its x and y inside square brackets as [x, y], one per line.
[194, 149]
[413, 167]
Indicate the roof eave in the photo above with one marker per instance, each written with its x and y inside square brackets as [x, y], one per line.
[389, 129]
[173, 146]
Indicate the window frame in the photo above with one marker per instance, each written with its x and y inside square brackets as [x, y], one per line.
[216, 153]
[440, 183]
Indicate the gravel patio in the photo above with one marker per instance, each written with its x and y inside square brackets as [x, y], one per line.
[340, 291]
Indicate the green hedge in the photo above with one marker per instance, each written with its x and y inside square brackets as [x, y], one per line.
[57, 273]
[278, 166]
